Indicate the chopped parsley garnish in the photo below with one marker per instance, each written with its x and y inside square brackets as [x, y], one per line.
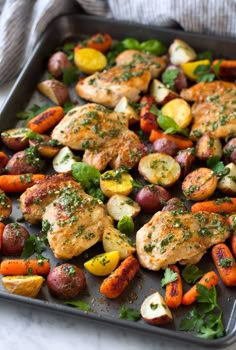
[79, 304]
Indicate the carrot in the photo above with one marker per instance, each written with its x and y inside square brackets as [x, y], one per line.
[224, 205]
[181, 142]
[3, 160]
[174, 290]
[208, 280]
[18, 267]
[100, 42]
[148, 120]
[2, 226]
[46, 120]
[232, 225]
[225, 264]
[227, 69]
[114, 284]
[19, 183]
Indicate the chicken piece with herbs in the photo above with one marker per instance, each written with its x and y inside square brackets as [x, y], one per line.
[178, 236]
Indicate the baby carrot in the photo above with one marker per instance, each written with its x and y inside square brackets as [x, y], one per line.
[100, 42]
[1, 233]
[3, 160]
[174, 290]
[19, 183]
[223, 205]
[24, 267]
[232, 225]
[225, 264]
[208, 280]
[181, 142]
[46, 120]
[148, 120]
[114, 284]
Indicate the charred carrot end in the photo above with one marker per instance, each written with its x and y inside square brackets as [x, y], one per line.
[114, 284]
[46, 120]
[100, 42]
[225, 264]
[174, 290]
[227, 68]
[208, 280]
[181, 142]
[223, 205]
[148, 122]
[19, 267]
[19, 183]
[3, 160]
[146, 103]
[2, 226]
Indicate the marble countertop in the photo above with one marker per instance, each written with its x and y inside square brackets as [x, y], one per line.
[23, 327]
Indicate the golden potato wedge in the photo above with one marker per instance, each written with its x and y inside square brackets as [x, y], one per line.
[63, 161]
[56, 91]
[28, 286]
[227, 184]
[116, 182]
[199, 184]
[89, 60]
[119, 206]
[161, 93]
[179, 110]
[159, 168]
[180, 52]
[208, 146]
[123, 106]
[155, 311]
[113, 239]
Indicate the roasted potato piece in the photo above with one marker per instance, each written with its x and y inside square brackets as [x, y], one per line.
[208, 146]
[123, 106]
[185, 158]
[180, 52]
[25, 162]
[159, 168]
[179, 83]
[166, 146]
[63, 161]
[116, 182]
[103, 264]
[229, 150]
[113, 239]
[161, 93]
[89, 60]
[56, 91]
[199, 184]
[174, 204]
[5, 206]
[227, 184]
[15, 139]
[28, 286]
[57, 63]
[13, 239]
[155, 311]
[152, 198]
[66, 281]
[190, 67]
[119, 206]
[46, 146]
[179, 110]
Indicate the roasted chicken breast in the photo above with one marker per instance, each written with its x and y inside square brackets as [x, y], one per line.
[214, 110]
[178, 236]
[103, 134]
[130, 77]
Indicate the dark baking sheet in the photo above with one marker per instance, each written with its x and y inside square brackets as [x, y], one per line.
[75, 27]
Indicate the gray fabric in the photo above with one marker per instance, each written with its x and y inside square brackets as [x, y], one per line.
[23, 21]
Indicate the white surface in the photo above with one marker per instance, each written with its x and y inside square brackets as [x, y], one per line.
[23, 327]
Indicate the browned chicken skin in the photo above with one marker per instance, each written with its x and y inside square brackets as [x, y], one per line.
[214, 110]
[175, 236]
[130, 77]
[103, 134]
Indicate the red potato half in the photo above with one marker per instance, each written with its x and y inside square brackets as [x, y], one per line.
[15, 139]
[155, 311]
[152, 198]
[159, 168]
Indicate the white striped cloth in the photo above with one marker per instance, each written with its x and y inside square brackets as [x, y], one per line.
[23, 21]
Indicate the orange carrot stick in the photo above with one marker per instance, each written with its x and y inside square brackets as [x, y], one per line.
[223, 205]
[46, 120]
[148, 120]
[227, 69]
[225, 264]
[208, 280]
[174, 290]
[232, 225]
[181, 142]
[114, 284]
[2, 226]
[19, 183]
[3, 160]
[100, 42]
[24, 267]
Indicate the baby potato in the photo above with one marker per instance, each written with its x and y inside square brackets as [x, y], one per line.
[103, 264]
[123, 106]
[199, 184]
[229, 150]
[185, 158]
[116, 182]
[28, 286]
[208, 146]
[227, 184]
[119, 206]
[57, 63]
[152, 198]
[13, 239]
[180, 52]
[161, 93]
[55, 90]
[155, 311]
[159, 168]
[179, 110]
[15, 139]
[63, 160]
[114, 240]
[89, 60]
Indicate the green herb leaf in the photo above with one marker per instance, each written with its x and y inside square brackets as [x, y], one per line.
[68, 49]
[191, 274]
[206, 78]
[193, 321]
[137, 185]
[217, 166]
[80, 304]
[68, 105]
[34, 244]
[216, 67]
[169, 276]
[206, 55]
[201, 69]
[86, 174]
[126, 225]
[169, 125]
[35, 110]
[129, 314]
[131, 44]
[169, 76]
[206, 295]
[70, 75]
[115, 50]
[96, 192]
[155, 47]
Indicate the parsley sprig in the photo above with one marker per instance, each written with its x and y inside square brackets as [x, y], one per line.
[169, 276]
